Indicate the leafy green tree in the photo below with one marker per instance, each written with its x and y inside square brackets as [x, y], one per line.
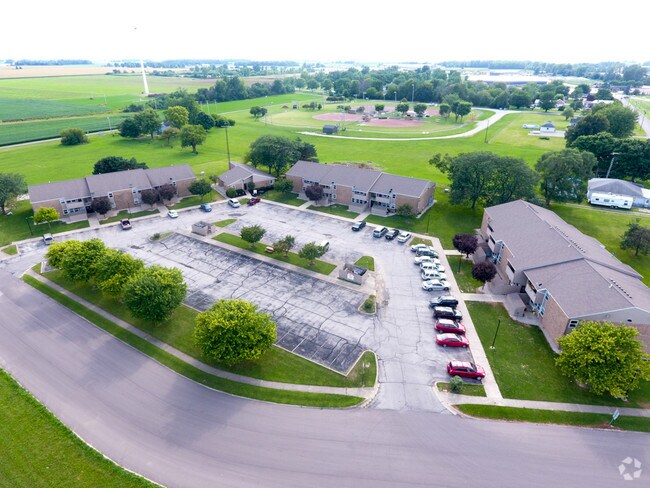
[586, 126]
[177, 116]
[252, 234]
[170, 133]
[314, 192]
[405, 210]
[101, 205]
[192, 135]
[461, 109]
[283, 185]
[444, 109]
[601, 145]
[204, 120]
[311, 252]
[149, 121]
[232, 331]
[200, 187]
[274, 152]
[56, 252]
[129, 128]
[546, 100]
[307, 150]
[484, 271]
[46, 214]
[632, 160]
[636, 238]
[568, 113]
[258, 112]
[167, 192]
[72, 137]
[564, 174]
[112, 164]
[622, 120]
[402, 107]
[420, 108]
[154, 294]
[379, 107]
[11, 185]
[79, 260]
[607, 358]
[114, 269]
[285, 244]
[149, 196]
[520, 98]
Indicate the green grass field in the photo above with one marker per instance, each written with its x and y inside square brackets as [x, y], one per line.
[23, 109]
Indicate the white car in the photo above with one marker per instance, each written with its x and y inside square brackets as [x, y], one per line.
[234, 203]
[435, 285]
[428, 265]
[403, 237]
[415, 247]
[433, 274]
[440, 268]
[172, 214]
[423, 259]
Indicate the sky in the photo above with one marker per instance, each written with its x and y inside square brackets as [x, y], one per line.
[569, 31]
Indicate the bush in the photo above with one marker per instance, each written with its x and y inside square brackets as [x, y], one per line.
[456, 384]
[369, 304]
[231, 193]
[72, 137]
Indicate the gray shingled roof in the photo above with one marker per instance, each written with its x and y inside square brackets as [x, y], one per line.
[401, 185]
[166, 174]
[240, 171]
[310, 171]
[618, 187]
[102, 185]
[69, 189]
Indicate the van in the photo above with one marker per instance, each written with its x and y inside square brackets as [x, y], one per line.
[325, 245]
[48, 239]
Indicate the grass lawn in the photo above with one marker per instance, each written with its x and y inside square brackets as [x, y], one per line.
[420, 240]
[337, 209]
[38, 450]
[195, 200]
[640, 424]
[10, 250]
[468, 389]
[466, 282]
[366, 262]
[225, 223]
[16, 227]
[524, 364]
[319, 266]
[191, 372]
[124, 214]
[276, 365]
[288, 198]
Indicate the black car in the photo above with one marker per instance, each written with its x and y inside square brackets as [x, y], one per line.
[379, 231]
[391, 234]
[446, 313]
[444, 301]
[357, 226]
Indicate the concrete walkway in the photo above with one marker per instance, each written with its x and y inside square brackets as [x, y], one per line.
[449, 399]
[483, 297]
[366, 393]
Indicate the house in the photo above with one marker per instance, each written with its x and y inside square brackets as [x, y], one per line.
[361, 188]
[240, 175]
[560, 274]
[640, 195]
[547, 127]
[330, 129]
[73, 198]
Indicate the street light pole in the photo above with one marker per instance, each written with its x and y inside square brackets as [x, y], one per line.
[412, 93]
[495, 334]
[227, 143]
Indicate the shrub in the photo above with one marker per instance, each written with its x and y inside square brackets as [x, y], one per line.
[456, 384]
[369, 304]
[72, 137]
[231, 193]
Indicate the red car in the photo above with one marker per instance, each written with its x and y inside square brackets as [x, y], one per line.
[451, 326]
[465, 369]
[452, 340]
[254, 200]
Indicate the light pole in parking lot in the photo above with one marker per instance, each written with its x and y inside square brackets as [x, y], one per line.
[495, 334]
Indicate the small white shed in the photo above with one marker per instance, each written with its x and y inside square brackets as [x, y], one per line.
[547, 127]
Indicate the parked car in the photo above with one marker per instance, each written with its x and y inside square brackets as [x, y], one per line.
[415, 247]
[422, 259]
[465, 369]
[427, 252]
[428, 265]
[48, 239]
[435, 285]
[253, 201]
[440, 268]
[447, 313]
[452, 340]
[125, 224]
[379, 232]
[444, 301]
[234, 203]
[206, 207]
[391, 234]
[357, 226]
[433, 274]
[172, 214]
[449, 326]
[403, 237]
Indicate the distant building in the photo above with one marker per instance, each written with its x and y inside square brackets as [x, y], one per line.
[330, 129]
[547, 127]
[640, 195]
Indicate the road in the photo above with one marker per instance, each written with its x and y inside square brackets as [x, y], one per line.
[179, 433]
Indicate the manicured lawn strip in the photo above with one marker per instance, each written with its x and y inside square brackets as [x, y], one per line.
[524, 364]
[468, 389]
[420, 240]
[640, 424]
[10, 250]
[38, 450]
[276, 365]
[15, 227]
[319, 266]
[126, 215]
[366, 262]
[225, 223]
[179, 366]
[466, 282]
[288, 198]
[340, 210]
[195, 200]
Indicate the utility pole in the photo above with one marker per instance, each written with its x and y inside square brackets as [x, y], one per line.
[611, 163]
[227, 144]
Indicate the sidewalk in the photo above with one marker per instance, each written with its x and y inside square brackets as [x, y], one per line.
[366, 393]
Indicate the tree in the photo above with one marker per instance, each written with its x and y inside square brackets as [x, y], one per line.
[285, 244]
[11, 185]
[420, 108]
[46, 214]
[200, 187]
[153, 294]
[636, 238]
[114, 269]
[252, 234]
[465, 244]
[314, 192]
[177, 116]
[546, 100]
[602, 146]
[462, 108]
[484, 271]
[167, 191]
[258, 112]
[79, 259]
[232, 331]
[402, 107]
[192, 135]
[56, 252]
[101, 205]
[169, 133]
[632, 160]
[149, 121]
[444, 109]
[607, 358]
[129, 128]
[311, 252]
[283, 185]
[586, 126]
[564, 174]
[307, 150]
[149, 196]
[274, 152]
[568, 113]
[202, 119]
[72, 137]
[405, 210]
[379, 107]
[622, 120]
[520, 98]
[112, 164]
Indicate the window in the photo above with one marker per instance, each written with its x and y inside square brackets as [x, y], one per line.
[333, 196]
[490, 227]
[573, 324]
[110, 195]
[492, 240]
[510, 267]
